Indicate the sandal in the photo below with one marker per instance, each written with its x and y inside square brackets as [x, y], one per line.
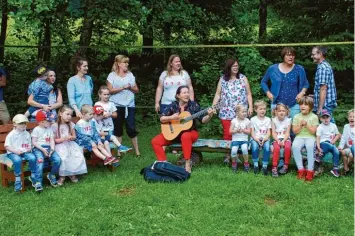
[188, 166]
[73, 179]
[61, 180]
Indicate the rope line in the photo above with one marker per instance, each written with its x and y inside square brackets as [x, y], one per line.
[251, 45]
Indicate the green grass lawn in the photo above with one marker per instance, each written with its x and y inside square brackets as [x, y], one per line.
[213, 202]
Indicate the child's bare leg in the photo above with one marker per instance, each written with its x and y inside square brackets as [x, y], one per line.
[98, 153]
[246, 158]
[345, 162]
[107, 146]
[104, 152]
[27, 114]
[114, 139]
[119, 139]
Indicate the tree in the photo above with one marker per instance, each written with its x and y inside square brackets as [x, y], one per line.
[4, 17]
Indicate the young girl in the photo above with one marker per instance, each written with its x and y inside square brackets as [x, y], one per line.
[109, 112]
[88, 137]
[240, 128]
[346, 145]
[304, 125]
[260, 134]
[281, 127]
[71, 154]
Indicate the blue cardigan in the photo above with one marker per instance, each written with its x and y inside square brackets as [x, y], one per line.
[276, 77]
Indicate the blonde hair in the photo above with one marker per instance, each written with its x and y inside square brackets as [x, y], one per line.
[259, 103]
[351, 111]
[308, 101]
[239, 108]
[85, 109]
[169, 68]
[59, 121]
[119, 59]
[277, 108]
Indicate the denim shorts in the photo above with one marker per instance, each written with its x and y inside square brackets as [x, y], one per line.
[239, 143]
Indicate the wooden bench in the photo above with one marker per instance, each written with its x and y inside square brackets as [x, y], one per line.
[219, 146]
[7, 174]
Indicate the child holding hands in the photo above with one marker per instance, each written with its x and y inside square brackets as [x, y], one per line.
[346, 145]
[19, 147]
[260, 134]
[240, 129]
[281, 127]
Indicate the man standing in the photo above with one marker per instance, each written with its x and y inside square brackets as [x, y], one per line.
[325, 94]
[4, 113]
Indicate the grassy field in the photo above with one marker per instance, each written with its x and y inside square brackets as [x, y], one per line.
[213, 202]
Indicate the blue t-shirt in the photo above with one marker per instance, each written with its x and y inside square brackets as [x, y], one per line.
[2, 72]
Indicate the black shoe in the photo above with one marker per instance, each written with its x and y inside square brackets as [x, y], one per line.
[256, 170]
[265, 171]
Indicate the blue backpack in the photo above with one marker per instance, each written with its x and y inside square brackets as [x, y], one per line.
[161, 171]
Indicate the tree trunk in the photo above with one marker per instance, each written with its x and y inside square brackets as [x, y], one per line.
[262, 20]
[3, 29]
[148, 35]
[86, 31]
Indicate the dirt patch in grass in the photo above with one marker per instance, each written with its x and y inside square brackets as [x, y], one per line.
[126, 191]
[269, 201]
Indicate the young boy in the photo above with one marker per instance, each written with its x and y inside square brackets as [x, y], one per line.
[43, 142]
[346, 145]
[18, 146]
[106, 135]
[327, 134]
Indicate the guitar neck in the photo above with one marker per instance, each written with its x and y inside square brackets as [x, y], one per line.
[194, 116]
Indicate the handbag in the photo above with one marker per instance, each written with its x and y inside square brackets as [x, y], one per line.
[161, 171]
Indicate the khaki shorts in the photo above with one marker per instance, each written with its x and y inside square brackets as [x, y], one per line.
[4, 113]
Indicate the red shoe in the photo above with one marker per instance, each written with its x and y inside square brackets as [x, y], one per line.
[108, 160]
[301, 174]
[309, 175]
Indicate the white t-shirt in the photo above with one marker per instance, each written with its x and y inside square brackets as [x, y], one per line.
[242, 124]
[171, 84]
[63, 130]
[347, 139]
[327, 132]
[125, 97]
[260, 127]
[108, 122]
[18, 140]
[43, 135]
[84, 127]
[281, 126]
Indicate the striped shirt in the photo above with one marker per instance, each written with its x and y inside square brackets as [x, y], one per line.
[325, 76]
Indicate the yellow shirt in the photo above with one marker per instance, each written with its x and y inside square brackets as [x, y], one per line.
[311, 119]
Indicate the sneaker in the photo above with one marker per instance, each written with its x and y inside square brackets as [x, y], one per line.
[281, 163]
[246, 168]
[317, 158]
[74, 179]
[234, 167]
[256, 169]
[61, 180]
[283, 170]
[53, 180]
[265, 171]
[335, 172]
[123, 148]
[108, 160]
[319, 171]
[38, 187]
[116, 164]
[18, 185]
[226, 160]
[32, 180]
[274, 172]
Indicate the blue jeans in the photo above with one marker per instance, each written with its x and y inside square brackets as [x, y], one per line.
[352, 149]
[17, 162]
[235, 146]
[54, 159]
[328, 147]
[255, 151]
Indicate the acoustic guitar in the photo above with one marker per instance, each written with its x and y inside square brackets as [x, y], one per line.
[173, 128]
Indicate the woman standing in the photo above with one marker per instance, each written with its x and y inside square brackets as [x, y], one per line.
[288, 82]
[169, 80]
[122, 86]
[80, 87]
[233, 89]
[55, 99]
[188, 137]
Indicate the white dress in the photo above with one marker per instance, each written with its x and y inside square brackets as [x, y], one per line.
[71, 154]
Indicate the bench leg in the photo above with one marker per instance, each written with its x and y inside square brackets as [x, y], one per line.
[23, 177]
[4, 180]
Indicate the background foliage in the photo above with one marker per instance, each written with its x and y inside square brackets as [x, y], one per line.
[100, 30]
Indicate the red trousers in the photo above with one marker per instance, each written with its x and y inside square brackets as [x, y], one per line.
[226, 125]
[187, 139]
[276, 153]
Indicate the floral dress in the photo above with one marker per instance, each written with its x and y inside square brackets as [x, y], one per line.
[232, 94]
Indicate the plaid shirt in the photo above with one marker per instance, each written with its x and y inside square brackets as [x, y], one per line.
[325, 76]
[191, 107]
